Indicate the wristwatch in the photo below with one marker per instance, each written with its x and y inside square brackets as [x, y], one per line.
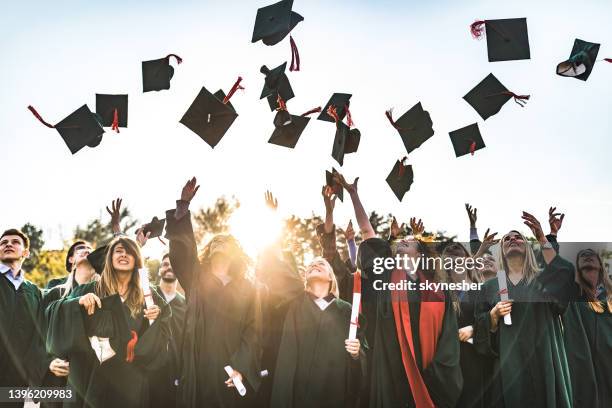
[547, 245]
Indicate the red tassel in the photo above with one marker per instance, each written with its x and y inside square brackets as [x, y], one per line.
[295, 56]
[521, 100]
[503, 291]
[310, 112]
[115, 125]
[402, 167]
[162, 241]
[131, 345]
[179, 60]
[232, 91]
[349, 119]
[477, 28]
[357, 289]
[389, 115]
[472, 148]
[37, 115]
[331, 111]
[281, 104]
[608, 60]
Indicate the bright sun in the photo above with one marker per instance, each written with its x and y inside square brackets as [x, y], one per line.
[255, 228]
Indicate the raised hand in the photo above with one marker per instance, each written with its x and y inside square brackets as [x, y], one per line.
[329, 198]
[534, 225]
[396, 230]
[555, 220]
[189, 190]
[350, 188]
[487, 242]
[115, 213]
[472, 214]
[141, 238]
[349, 233]
[271, 202]
[417, 226]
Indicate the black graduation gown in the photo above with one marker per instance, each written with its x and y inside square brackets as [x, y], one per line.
[313, 367]
[23, 360]
[530, 368]
[389, 387]
[162, 381]
[588, 342]
[219, 327]
[115, 382]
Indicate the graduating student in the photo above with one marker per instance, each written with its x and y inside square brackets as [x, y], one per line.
[588, 333]
[23, 361]
[108, 335]
[220, 319]
[530, 361]
[317, 365]
[77, 251]
[164, 381]
[415, 357]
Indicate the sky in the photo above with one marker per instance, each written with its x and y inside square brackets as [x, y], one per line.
[554, 151]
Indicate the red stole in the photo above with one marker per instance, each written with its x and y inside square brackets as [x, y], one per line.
[430, 327]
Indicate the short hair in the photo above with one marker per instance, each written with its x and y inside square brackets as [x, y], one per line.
[15, 231]
[164, 256]
[71, 252]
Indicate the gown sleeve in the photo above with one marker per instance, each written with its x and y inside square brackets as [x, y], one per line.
[183, 249]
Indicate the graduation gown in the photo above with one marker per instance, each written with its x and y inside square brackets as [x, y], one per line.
[23, 360]
[115, 382]
[530, 367]
[219, 327]
[390, 385]
[313, 367]
[588, 342]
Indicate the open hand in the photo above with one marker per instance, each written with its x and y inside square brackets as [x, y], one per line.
[417, 226]
[271, 202]
[534, 225]
[115, 213]
[189, 190]
[472, 214]
[555, 220]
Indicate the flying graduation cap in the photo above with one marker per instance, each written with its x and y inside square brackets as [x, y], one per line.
[112, 110]
[467, 140]
[581, 60]
[211, 115]
[400, 179]
[341, 102]
[346, 139]
[79, 129]
[288, 127]
[414, 126]
[273, 23]
[488, 97]
[155, 227]
[156, 74]
[276, 84]
[335, 186]
[507, 39]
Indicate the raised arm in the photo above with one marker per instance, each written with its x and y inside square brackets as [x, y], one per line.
[363, 221]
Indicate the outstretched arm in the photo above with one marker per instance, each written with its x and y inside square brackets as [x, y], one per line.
[363, 221]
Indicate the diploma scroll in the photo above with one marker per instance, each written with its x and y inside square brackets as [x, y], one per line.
[237, 383]
[503, 294]
[146, 289]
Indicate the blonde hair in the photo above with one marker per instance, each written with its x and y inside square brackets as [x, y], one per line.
[530, 263]
[595, 304]
[109, 285]
[333, 284]
[473, 274]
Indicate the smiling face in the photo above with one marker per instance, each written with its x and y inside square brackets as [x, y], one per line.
[513, 244]
[318, 270]
[12, 248]
[165, 270]
[123, 261]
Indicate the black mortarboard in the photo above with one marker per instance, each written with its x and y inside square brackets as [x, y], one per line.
[339, 101]
[488, 97]
[467, 140]
[276, 83]
[274, 22]
[97, 258]
[507, 39]
[106, 105]
[209, 117]
[414, 126]
[155, 227]
[581, 60]
[288, 135]
[337, 187]
[400, 179]
[156, 74]
[346, 141]
[79, 129]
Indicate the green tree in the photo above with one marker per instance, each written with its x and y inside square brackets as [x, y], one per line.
[50, 264]
[214, 220]
[36, 243]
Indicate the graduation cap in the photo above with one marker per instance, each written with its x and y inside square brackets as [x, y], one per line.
[490, 95]
[209, 117]
[156, 74]
[467, 140]
[97, 258]
[108, 330]
[112, 110]
[507, 39]
[155, 227]
[581, 60]
[331, 182]
[346, 141]
[341, 102]
[79, 129]
[414, 126]
[400, 179]
[274, 22]
[276, 84]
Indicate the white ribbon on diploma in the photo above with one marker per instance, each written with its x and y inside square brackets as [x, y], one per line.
[237, 383]
[146, 289]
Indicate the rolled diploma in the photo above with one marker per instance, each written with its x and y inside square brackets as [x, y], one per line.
[239, 385]
[354, 316]
[146, 289]
[503, 293]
